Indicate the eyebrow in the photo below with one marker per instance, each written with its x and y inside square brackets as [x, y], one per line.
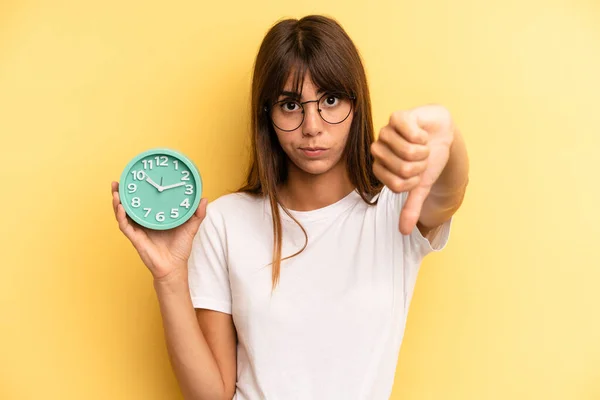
[295, 95]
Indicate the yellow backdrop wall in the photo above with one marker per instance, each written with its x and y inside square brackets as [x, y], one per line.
[508, 311]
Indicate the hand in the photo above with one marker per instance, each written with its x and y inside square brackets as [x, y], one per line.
[156, 185]
[173, 186]
[164, 252]
[411, 153]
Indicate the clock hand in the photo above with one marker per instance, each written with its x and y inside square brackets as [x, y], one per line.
[173, 186]
[157, 186]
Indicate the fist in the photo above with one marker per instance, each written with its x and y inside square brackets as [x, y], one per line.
[410, 154]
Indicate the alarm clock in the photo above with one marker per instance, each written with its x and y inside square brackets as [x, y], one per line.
[160, 189]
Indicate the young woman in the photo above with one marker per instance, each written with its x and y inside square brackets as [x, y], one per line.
[298, 285]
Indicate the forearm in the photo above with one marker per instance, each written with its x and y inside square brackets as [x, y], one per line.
[448, 192]
[191, 358]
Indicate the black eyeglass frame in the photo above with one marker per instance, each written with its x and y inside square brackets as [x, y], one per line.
[351, 97]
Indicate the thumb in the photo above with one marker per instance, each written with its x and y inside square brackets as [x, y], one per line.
[409, 216]
[193, 224]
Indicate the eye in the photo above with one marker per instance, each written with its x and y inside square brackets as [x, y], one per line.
[289, 106]
[331, 100]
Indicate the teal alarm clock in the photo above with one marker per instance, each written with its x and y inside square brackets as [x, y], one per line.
[160, 189]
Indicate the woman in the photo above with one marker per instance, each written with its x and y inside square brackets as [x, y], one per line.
[298, 285]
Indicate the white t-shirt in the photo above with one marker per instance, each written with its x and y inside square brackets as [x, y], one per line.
[332, 328]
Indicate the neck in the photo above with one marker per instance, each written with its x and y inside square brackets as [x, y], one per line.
[305, 192]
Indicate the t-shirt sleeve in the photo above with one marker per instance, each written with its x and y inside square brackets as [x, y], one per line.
[208, 273]
[418, 245]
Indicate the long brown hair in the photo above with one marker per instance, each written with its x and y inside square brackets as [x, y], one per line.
[320, 45]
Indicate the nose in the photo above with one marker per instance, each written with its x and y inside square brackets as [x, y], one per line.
[313, 124]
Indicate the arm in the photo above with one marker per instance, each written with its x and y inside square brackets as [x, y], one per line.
[201, 343]
[447, 193]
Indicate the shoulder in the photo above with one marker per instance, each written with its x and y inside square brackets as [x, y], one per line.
[234, 205]
[229, 213]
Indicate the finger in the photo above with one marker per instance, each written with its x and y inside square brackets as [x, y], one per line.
[115, 202]
[114, 187]
[395, 183]
[433, 117]
[193, 224]
[409, 216]
[406, 123]
[393, 163]
[123, 222]
[137, 237]
[401, 146]
[201, 211]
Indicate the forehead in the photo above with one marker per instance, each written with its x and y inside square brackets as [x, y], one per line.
[300, 85]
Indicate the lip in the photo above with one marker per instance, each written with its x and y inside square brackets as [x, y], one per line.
[312, 148]
[313, 151]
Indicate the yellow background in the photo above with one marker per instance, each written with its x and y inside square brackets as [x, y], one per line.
[508, 311]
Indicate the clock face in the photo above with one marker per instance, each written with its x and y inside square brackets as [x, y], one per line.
[160, 189]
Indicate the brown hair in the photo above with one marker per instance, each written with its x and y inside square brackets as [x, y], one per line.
[320, 45]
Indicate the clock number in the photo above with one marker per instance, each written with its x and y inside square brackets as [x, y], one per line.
[161, 161]
[176, 164]
[160, 217]
[132, 187]
[147, 211]
[189, 189]
[186, 175]
[174, 212]
[138, 175]
[147, 163]
[185, 203]
[136, 202]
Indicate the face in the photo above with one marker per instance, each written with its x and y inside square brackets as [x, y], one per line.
[316, 146]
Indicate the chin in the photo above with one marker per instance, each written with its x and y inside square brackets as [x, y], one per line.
[315, 167]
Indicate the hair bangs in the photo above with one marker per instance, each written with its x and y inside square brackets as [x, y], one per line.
[327, 75]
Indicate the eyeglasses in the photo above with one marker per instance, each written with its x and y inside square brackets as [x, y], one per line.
[288, 114]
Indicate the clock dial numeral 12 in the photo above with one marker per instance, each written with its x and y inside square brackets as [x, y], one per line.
[162, 161]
